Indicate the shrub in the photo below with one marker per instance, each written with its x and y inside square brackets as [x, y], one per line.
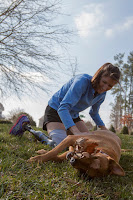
[112, 128]
[5, 122]
[125, 130]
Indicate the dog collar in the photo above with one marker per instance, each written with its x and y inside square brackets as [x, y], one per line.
[103, 153]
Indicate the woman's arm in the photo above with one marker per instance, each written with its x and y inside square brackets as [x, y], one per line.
[94, 112]
[71, 98]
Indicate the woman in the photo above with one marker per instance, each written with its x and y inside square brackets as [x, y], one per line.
[83, 91]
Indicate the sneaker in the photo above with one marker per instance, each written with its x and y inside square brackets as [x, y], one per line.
[18, 129]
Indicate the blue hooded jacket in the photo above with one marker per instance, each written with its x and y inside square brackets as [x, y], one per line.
[75, 96]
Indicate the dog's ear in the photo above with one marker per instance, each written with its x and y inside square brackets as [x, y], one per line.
[115, 168]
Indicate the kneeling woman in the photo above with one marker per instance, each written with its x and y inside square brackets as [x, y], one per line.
[82, 91]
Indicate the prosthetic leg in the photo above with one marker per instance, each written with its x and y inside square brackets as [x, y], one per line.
[40, 136]
[23, 124]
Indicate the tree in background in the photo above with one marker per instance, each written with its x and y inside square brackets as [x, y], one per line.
[112, 128]
[123, 103]
[130, 76]
[115, 113]
[125, 130]
[73, 67]
[127, 120]
[117, 90]
[31, 44]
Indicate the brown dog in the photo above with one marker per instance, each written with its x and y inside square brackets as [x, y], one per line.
[96, 154]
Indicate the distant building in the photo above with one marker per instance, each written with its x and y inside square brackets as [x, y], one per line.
[1, 110]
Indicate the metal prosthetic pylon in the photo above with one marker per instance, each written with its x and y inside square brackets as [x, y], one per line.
[40, 136]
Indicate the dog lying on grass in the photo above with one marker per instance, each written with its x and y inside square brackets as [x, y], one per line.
[96, 154]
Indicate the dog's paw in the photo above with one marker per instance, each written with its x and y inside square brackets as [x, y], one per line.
[35, 159]
[41, 151]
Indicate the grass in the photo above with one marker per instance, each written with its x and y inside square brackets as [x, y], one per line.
[55, 181]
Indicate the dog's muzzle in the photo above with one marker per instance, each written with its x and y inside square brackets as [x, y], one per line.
[72, 161]
[69, 155]
[73, 156]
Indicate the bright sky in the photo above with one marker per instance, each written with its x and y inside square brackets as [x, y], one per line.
[105, 28]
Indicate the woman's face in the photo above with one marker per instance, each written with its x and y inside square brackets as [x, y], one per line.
[105, 84]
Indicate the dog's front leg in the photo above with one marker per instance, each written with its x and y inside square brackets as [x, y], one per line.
[68, 141]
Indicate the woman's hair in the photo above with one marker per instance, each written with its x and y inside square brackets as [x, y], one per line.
[106, 70]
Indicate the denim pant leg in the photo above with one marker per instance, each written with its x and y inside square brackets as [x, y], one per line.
[58, 135]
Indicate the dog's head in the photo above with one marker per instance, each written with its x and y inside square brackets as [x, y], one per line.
[88, 159]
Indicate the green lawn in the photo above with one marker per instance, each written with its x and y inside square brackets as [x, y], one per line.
[22, 180]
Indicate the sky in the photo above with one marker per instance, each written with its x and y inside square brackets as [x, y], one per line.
[104, 28]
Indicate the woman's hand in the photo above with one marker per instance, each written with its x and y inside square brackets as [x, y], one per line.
[75, 131]
[103, 128]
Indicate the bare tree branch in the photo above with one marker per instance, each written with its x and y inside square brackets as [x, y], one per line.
[31, 44]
